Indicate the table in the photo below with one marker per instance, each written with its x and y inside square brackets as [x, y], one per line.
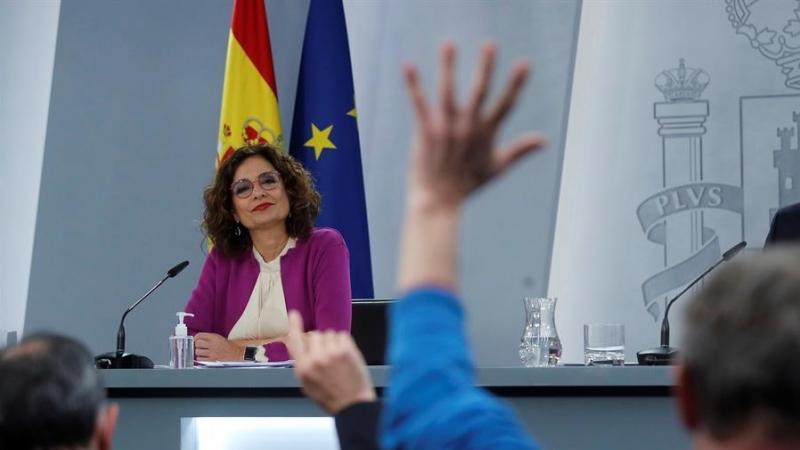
[564, 407]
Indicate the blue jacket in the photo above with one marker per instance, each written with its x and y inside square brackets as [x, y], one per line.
[432, 401]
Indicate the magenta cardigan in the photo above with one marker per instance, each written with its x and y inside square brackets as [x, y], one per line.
[316, 282]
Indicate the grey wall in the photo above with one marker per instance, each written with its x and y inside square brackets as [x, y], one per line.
[130, 145]
[507, 235]
[131, 142]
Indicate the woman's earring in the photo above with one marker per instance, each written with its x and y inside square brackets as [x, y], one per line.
[238, 231]
[290, 215]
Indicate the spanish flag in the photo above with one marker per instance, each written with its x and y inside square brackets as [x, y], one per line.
[250, 112]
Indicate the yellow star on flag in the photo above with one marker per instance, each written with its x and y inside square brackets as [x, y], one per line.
[320, 140]
[353, 112]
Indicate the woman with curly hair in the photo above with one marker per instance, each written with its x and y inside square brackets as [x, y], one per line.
[267, 258]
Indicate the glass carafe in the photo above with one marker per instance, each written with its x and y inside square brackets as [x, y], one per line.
[539, 345]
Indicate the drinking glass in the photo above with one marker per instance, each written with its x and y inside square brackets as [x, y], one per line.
[604, 344]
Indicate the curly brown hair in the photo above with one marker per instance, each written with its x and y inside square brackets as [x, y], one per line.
[304, 200]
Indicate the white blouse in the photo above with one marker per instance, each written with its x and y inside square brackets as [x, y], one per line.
[265, 315]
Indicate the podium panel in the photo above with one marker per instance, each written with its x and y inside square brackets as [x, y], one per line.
[565, 408]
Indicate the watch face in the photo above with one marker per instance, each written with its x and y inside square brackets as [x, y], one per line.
[250, 353]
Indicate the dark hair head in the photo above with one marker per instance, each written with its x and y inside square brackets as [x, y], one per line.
[741, 347]
[304, 200]
[50, 394]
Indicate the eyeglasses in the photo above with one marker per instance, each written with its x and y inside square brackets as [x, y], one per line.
[244, 188]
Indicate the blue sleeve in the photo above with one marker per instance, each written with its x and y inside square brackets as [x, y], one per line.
[432, 401]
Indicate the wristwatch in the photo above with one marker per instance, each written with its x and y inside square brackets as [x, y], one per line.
[250, 353]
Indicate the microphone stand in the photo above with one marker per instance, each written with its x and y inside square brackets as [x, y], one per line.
[121, 331]
[664, 354]
[121, 360]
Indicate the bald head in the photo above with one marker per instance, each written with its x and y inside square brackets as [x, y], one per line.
[50, 394]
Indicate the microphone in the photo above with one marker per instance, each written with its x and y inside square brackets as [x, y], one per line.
[664, 354]
[172, 273]
[119, 359]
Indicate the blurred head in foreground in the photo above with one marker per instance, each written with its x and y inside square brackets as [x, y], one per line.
[51, 397]
[739, 379]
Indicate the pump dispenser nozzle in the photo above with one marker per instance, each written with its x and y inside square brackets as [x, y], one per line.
[180, 329]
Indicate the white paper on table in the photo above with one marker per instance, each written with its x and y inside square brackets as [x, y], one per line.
[244, 364]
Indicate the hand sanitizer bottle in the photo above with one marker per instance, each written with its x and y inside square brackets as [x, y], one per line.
[181, 345]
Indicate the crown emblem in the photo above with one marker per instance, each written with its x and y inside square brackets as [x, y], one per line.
[682, 84]
[773, 29]
[255, 132]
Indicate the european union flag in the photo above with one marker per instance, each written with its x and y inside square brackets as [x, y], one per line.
[325, 135]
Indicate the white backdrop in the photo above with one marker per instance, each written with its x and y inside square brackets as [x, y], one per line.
[28, 36]
[627, 143]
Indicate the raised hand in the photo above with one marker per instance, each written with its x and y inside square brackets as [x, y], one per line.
[454, 153]
[329, 366]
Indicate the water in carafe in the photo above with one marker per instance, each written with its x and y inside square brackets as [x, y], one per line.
[539, 345]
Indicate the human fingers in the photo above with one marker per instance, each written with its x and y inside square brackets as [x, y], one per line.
[483, 78]
[447, 88]
[295, 341]
[329, 341]
[516, 150]
[508, 99]
[315, 345]
[416, 94]
[355, 351]
[209, 337]
[202, 340]
[343, 339]
[358, 368]
[347, 346]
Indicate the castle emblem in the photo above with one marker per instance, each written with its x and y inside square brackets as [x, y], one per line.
[787, 162]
